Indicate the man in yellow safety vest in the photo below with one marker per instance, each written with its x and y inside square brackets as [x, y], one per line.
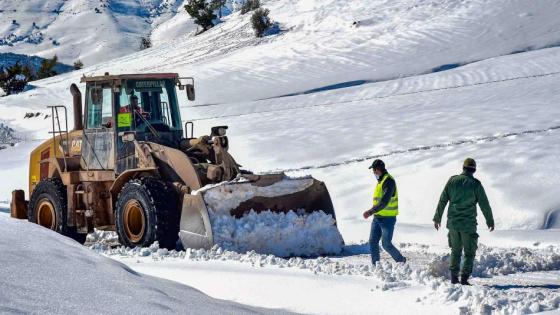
[385, 209]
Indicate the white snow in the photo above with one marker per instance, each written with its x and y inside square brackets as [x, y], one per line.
[362, 92]
[45, 273]
[295, 233]
[415, 283]
[281, 234]
[90, 31]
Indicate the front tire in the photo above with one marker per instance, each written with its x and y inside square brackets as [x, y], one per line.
[48, 207]
[147, 210]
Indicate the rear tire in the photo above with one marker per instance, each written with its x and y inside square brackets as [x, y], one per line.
[148, 210]
[48, 207]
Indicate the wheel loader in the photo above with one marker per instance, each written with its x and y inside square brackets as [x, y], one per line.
[130, 165]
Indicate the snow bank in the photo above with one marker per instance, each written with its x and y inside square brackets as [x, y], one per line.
[45, 273]
[492, 261]
[294, 233]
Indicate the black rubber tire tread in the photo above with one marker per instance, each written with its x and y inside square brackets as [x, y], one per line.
[54, 190]
[162, 210]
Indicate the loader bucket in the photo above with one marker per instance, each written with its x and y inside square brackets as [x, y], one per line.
[271, 214]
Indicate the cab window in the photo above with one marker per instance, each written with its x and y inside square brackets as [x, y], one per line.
[99, 113]
[152, 102]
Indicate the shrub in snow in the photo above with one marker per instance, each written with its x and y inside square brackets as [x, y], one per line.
[250, 5]
[14, 79]
[202, 12]
[145, 43]
[47, 68]
[260, 21]
[78, 64]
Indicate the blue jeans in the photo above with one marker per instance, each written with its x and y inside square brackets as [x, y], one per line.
[382, 229]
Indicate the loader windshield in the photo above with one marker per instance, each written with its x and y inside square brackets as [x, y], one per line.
[146, 104]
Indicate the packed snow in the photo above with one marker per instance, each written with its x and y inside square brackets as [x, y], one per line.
[45, 273]
[295, 233]
[281, 234]
[421, 270]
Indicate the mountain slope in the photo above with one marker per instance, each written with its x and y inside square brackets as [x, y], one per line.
[499, 110]
[92, 31]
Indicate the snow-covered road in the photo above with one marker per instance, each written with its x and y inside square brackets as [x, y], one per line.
[349, 285]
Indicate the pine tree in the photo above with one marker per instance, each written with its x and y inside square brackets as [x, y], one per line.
[145, 43]
[260, 21]
[47, 68]
[202, 12]
[12, 79]
[78, 64]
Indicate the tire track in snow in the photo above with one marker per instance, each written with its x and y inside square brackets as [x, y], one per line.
[372, 97]
[423, 148]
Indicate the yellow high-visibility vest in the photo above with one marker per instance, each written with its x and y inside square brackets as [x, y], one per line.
[392, 208]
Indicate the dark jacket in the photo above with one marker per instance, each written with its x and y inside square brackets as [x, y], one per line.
[389, 188]
[463, 192]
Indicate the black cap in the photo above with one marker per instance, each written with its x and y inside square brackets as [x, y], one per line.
[377, 164]
[469, 164]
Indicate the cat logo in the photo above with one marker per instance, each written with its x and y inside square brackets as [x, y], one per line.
[76, 146]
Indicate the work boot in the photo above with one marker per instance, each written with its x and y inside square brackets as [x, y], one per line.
[454, 279]
[464, 280]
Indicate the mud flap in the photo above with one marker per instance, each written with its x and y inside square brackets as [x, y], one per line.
[18, 206]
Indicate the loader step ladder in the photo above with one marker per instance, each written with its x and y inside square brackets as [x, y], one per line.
[58, 131]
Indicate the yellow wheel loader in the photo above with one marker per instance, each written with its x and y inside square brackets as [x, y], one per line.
[131, 166]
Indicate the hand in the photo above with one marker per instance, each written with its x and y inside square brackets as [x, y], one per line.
[491, 228]
[366, 214]
[437, 225]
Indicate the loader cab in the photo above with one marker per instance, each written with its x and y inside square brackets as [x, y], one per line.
[144, 106]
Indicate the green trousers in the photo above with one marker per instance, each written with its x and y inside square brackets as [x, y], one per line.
[462, 241]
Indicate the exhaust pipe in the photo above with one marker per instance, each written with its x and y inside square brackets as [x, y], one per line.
[77, 102]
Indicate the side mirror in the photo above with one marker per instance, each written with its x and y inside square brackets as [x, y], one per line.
[127, 136]
[183, 85]
[190, 92]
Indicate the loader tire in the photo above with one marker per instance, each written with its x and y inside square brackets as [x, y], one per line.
[148, 210]
[48, 207]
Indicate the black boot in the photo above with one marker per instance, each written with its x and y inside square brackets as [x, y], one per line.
[454, 279]
[464, 280]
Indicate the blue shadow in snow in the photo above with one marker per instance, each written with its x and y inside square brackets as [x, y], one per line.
[446, 67]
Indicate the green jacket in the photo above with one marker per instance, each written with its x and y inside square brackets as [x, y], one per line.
[463, 192]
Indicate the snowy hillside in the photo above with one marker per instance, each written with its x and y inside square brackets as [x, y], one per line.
[91, 31]
[59, 276]
[421, 84]
[343, 127]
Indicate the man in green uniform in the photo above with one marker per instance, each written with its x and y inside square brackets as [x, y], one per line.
[463, 192]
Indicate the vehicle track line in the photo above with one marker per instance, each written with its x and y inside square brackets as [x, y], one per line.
[423, 148]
